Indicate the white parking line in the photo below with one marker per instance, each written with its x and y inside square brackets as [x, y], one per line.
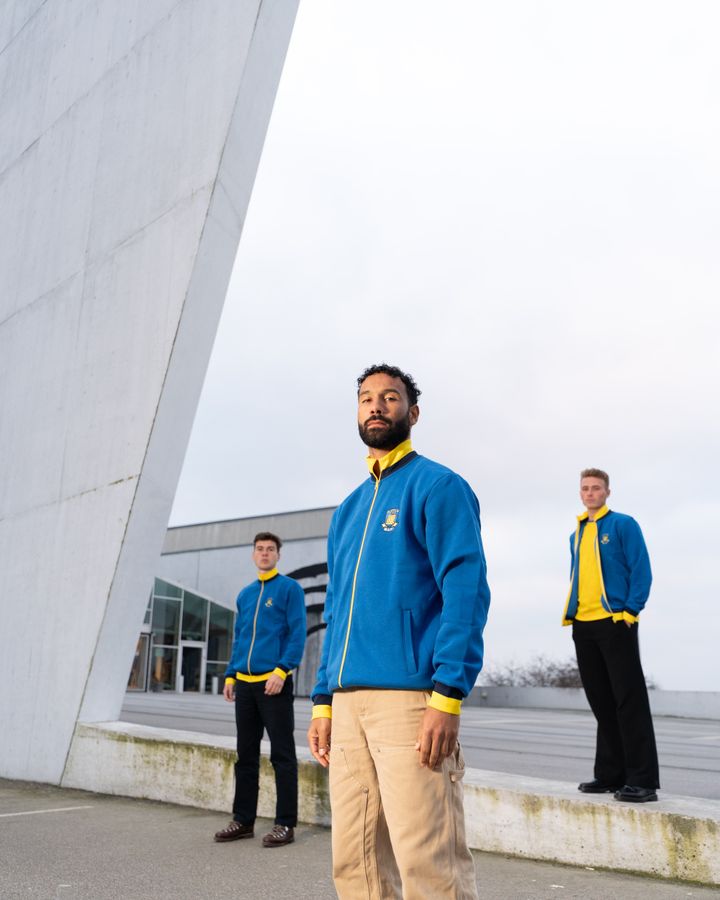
[37, 812]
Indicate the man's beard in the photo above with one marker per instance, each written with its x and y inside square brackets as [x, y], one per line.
[385, 438]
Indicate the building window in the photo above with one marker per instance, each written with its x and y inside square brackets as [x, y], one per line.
[163, 670]
[194, 617]
[165, 620]
[179, 621]
[220, 632]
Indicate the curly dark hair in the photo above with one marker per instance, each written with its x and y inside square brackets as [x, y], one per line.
[413, 391]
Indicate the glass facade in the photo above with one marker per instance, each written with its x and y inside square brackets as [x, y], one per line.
[220, 632]
[188, 645]
[194, 618]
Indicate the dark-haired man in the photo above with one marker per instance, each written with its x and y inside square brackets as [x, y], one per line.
[268, 645]
[405, 609]
[609, 586]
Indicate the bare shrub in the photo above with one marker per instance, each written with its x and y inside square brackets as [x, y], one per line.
[539, 672]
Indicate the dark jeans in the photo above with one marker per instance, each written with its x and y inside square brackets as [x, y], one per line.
[608, 658]
[255, 711]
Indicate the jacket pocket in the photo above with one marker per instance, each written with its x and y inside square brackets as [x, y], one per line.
[408, 646]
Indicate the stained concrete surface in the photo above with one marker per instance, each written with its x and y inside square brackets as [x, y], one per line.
[60, 844]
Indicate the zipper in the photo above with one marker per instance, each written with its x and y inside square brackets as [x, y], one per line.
[352, 594]
[257, 610]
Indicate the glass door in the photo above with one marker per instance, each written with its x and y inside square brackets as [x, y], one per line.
[191, 667]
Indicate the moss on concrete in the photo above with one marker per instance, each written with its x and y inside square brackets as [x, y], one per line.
[542, 825]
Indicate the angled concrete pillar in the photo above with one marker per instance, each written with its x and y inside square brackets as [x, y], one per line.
[130, 135]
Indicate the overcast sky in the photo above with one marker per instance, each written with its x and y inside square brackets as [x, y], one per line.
[519, 203]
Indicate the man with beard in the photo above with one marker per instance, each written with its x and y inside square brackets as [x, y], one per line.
[406, 605]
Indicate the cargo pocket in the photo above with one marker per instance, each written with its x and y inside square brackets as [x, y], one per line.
[457, 765]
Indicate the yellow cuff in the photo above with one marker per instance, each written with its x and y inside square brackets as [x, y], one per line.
[625, 616]
[445, 704]
[281, 673]
[322, 712]
[229, 680]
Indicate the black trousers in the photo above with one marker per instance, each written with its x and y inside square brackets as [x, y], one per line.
[608, 656]
[255, 712]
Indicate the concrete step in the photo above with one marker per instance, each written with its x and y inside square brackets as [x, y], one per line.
[677, 837]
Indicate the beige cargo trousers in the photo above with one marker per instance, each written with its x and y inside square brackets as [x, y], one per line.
[398, 830]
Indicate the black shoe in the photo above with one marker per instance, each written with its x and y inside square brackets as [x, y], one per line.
[278, 836]
[235, 831]
[635, 794]
[597, 787]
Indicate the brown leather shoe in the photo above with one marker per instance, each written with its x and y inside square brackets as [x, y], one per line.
[235, 831]
[279, 836]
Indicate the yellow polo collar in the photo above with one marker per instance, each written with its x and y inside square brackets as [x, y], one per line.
[395, 455]
[603, 511]
[266, 576]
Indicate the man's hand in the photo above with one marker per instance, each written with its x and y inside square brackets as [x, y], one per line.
[319, 740]
[437, 737]
[629, 624]
[229, 691]
[274, 685]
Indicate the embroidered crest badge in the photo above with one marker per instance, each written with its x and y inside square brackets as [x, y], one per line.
[269, 602]
[605, 539]
[391, 519]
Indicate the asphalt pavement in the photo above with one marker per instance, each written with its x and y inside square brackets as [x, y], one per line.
[60, 844]
[554, 744]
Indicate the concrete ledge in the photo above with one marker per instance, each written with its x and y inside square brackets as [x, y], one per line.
[681, 704]
[678, 837]
[180, 767]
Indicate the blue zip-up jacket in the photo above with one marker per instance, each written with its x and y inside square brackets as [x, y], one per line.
[623, 561]
[269, 628]
[407, 598]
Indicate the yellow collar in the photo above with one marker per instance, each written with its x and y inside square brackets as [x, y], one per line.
[603, 511]
[266, 576]
[376, 466]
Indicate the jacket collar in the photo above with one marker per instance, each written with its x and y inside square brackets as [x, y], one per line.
[266, 576]
[378, 466]
[603, 511]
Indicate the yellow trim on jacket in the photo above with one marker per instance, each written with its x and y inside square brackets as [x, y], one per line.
[376, 467]
[590, 580]
[625, 616]
[395, 455]
[281, 673]
[354, 582]
[444, 704]
[603, 511]
[266, 576]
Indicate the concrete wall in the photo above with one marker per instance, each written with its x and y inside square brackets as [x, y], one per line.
[678, 837]
[130, 135]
